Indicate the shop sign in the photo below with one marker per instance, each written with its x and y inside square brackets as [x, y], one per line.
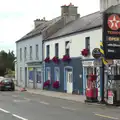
[96, 53]
[111, 35]
[87, 63]
[110, 97]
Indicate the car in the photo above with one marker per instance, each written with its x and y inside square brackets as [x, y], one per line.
[7, 84]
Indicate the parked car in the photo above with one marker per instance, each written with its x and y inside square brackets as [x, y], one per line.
[7, 84]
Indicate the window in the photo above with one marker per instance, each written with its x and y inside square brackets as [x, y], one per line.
[48, 51]
[30, 52]
[20, 73]
[48, 73]
[67, 47]
[87, 43]
[25, 53]
[57, 74]
[37, 54]
[20, 54]
[57, 49]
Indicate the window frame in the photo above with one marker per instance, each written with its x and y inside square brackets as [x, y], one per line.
[87, 43]
[31, 53]
[37, 51]
[67, 50]
[20, 54]
[47, 50]
[46, 76]
[56, 68]
[25, 53]
[57, 49]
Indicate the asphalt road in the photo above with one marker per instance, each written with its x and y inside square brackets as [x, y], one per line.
[25, 106]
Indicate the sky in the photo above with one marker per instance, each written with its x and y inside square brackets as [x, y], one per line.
[17, 16]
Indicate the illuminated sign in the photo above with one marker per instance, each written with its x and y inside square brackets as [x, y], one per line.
[111, 35]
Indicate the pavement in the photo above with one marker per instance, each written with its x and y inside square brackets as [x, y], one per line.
[77, 98]
[26, 106]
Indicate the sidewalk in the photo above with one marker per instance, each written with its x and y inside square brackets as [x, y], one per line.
[77, 98]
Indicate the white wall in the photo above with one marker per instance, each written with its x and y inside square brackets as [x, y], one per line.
[77, 43]
[27, 43]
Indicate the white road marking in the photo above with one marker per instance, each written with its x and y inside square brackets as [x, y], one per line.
[67, 108]
[105, 116]
[4, 110]
[27, 99]
[19, 117]
[45, 103]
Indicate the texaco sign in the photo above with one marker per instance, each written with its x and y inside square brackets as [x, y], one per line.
[111, 36]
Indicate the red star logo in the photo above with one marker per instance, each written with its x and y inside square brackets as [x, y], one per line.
[114, 22]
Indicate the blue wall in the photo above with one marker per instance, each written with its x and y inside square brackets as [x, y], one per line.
[76, 64]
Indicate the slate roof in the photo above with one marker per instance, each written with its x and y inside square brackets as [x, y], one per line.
[40, 28]
[81, 24]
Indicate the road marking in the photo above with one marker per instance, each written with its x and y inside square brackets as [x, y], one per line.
[100, 115]
[4, 110]
[14, 95]
[27, 99]
[67, 108]
[45, 103]
[19, 117]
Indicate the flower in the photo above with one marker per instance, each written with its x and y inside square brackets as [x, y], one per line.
[46, 83]
[66, 58]
[47, 59]
[93, 77]
[85, 52]
[55, 59]
[56, 84]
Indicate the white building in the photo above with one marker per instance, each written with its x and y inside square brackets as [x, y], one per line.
[29, 48]
[83, 33]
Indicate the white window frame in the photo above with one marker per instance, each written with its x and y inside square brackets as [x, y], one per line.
[56, 68]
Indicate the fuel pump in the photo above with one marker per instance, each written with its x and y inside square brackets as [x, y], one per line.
[91, 90]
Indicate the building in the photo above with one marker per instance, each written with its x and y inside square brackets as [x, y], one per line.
[29, 48]
[83, 33]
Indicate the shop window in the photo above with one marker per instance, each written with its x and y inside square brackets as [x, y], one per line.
[57, 74]
[48, 73]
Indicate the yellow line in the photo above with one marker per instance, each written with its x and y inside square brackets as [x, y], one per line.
[106, 116]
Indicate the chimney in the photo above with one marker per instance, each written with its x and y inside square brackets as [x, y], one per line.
[39, 21]
[69, 12]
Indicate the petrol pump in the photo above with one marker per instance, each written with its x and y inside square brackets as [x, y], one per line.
[91, 90]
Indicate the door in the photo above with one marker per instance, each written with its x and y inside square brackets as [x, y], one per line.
[69, 81]
[39, 79]
[25, 76]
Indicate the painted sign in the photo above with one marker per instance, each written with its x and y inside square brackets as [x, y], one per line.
[96, 53]
[111, 35]
[110, 97]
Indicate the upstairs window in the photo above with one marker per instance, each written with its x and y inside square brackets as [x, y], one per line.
[20, 54]
[67, 48]
[47, 51]
[25, 53]
[37, 52]
[87, 43]
[30, 52]
[57, 50]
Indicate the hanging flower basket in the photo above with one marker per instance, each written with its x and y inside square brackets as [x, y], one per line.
[46, 84]
[56, 84]
[55, 59]
[85, 52]
[47, 60]
[66, 58]
[93, 77]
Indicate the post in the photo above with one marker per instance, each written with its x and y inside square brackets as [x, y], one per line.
[102, 97]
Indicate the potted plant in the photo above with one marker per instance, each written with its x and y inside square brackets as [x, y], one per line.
[46, 84]
[66, 58]
[85, 52]
[47, 59]
[55, 59]
[56, 84]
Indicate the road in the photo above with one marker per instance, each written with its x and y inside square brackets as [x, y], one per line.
[25, 106]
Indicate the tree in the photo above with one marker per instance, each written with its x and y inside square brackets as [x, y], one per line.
[6, 61]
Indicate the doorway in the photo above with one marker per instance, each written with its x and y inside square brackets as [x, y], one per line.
[25, 76]
[69, 80]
